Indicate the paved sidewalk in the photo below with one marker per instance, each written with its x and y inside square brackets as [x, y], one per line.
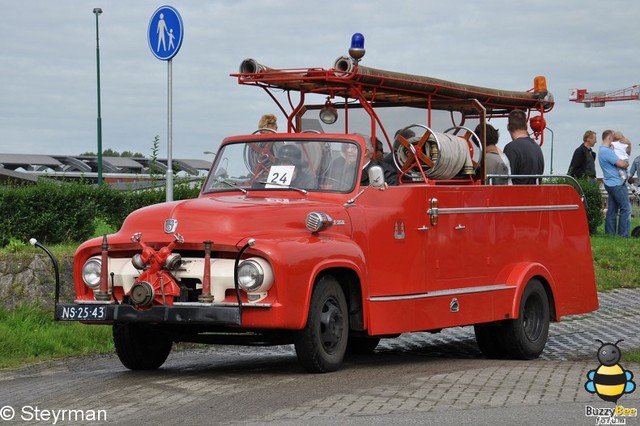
[416, 379]
[498, 389]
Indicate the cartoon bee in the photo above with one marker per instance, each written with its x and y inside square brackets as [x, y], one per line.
[609, 381]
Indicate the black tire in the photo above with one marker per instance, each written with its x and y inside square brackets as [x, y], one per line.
[140, 346]
[490, 339]
[360, 345]
[526, 336]
[322, 343]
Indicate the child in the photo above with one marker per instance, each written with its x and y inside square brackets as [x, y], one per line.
[622, 147]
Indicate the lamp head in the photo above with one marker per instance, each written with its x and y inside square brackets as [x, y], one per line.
[97, 10]
[356, 51]
[328, 113]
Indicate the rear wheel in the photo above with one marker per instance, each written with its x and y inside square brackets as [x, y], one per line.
[140, 346]
[321, 344]
[526, 336]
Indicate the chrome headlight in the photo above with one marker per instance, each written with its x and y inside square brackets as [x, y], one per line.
[250, 275]
[91, 273]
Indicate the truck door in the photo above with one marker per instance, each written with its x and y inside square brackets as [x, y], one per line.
[459, 247]
[391, 229]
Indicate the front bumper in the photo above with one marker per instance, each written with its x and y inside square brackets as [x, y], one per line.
[213, 314]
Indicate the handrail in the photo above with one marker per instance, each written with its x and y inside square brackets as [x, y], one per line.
[574, 182]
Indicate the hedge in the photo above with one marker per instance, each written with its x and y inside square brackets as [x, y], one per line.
[61, 212]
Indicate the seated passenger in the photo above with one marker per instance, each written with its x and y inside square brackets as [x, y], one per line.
[390, 172]
[274, 177]
[291, 155]
[343, 168]
[268, 124]
[405, 133]
[496, 162]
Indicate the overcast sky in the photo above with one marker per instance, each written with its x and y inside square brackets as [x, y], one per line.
[48, 102]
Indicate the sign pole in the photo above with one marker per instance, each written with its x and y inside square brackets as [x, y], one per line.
[97, 11]
[169, 180]
[165, 34]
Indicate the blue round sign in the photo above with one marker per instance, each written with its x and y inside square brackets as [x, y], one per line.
[165, 33]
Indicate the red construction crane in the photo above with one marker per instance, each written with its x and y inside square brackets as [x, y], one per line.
[598, 99]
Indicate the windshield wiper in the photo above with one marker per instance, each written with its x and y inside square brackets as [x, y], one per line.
[232, 185]
[303, 191]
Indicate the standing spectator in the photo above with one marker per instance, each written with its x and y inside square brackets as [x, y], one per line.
[618, 205]
[635, 168]
[268, 121]
[525, 155]
[583, 162]
[497, 162]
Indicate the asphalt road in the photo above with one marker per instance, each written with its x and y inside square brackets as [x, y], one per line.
[415, 379]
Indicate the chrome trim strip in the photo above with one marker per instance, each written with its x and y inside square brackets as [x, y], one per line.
[214, 304]
[191, 304]
[440, 293]
[457, 210]
[94, 302]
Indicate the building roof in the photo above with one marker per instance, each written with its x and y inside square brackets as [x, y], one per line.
[29, 167]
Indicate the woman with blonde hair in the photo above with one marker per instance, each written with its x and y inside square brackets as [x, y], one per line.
[268, 121]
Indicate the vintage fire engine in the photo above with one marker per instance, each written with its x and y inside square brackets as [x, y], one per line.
[298, 238]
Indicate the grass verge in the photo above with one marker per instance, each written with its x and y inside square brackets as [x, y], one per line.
[29, 334]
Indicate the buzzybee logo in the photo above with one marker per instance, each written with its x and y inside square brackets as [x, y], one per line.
[609, 381]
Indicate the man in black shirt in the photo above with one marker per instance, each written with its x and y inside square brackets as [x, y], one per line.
[524, 154]
[583, 162]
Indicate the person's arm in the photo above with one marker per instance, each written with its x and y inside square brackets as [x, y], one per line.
[577, 163]
[623, 164]
[634, 169]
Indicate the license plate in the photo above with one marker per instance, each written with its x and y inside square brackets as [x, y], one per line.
[79, 313]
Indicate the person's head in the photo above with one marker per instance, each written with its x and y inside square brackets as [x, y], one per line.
[607, 137]
[368, 148]
[517, 121]
[589, 138]
[617, 135]
[268, 121]
[405, 133]
[492, 134]
[350, 153]
[289, 154]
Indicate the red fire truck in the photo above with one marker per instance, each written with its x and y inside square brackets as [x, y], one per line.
[301, 237]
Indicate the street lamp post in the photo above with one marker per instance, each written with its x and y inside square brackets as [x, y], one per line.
[551, 148]
[97, 11]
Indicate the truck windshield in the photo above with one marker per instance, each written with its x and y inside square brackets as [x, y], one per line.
[328, 166]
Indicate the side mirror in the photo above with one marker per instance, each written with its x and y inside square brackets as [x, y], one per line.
[376, 177]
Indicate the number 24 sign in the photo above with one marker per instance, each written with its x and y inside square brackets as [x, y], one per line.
[280, 176]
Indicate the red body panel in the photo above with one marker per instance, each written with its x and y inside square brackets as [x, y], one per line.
[487, 243]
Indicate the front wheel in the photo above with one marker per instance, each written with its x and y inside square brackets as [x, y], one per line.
[140, 346]
[526, 336]
[322, 343]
